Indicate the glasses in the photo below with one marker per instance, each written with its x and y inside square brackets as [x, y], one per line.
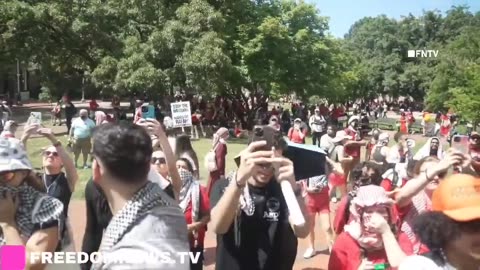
[160, 160]
[50, 153]
[7, 176]
[266, 166]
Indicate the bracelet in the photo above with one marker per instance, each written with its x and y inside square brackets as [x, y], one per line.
[238, 185]
[426, 175]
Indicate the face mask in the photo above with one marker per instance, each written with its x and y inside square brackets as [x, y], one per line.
[83, 117]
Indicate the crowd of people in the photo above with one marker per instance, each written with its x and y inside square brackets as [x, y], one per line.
[396, 208]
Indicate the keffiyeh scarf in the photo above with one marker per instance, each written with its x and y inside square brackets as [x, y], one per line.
[247, 206]
[190, 192]
[425, 150]
[420, 204]
[366, 196]
[147, 198]
[35, 209]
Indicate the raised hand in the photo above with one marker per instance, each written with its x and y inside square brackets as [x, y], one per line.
[251, 159]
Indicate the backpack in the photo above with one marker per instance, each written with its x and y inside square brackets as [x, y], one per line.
[211, 160]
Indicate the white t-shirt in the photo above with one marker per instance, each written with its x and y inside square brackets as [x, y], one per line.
[418, 262]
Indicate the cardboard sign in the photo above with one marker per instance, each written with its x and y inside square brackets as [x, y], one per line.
[181, 114]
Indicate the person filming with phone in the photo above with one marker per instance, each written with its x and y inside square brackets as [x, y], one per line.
[249, 210]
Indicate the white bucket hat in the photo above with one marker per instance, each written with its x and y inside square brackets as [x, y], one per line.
[13, 156]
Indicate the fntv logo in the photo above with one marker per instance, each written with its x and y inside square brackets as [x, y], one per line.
[422, 53]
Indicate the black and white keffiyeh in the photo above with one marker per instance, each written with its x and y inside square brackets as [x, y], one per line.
[247, 206]
[34, 210]
[190, 192]
[147, 198]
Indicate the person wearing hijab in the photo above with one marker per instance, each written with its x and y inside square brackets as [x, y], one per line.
[194, 202]
[100, 118]
[432, 148]
[28, 216]
[219, 148]
[369, 240]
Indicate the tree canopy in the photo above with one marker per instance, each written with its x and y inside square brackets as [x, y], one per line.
[216, 47]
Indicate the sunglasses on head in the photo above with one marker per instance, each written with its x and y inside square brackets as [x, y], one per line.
[160, 160]
[50, 153]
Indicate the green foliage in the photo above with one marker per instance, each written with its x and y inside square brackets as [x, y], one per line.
[45, 94]
[224, 48]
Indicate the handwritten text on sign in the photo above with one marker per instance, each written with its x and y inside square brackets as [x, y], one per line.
[181, 114]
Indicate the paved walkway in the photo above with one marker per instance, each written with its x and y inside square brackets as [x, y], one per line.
[320, 261]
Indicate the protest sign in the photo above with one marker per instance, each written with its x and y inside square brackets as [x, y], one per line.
[181, 114]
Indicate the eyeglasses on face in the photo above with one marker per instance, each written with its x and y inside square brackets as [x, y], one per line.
[50, 153]
[160, 160]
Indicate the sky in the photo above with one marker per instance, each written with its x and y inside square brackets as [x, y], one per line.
[343, 13]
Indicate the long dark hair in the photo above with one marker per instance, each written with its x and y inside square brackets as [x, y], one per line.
[183, 145]
[35, 181]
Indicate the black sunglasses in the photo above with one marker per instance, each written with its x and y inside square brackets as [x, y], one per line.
[48, 153]
[160, 160]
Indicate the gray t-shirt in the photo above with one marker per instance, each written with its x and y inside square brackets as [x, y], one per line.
[157, 241]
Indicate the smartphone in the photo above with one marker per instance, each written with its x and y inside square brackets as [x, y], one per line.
[148, 111]
[460, 143]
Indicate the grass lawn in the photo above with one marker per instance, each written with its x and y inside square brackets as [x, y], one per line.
[37, 144]
[202, 146]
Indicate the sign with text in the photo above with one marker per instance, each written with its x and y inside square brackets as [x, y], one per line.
[181, 114]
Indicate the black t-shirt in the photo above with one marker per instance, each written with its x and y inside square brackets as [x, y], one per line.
[267, 241]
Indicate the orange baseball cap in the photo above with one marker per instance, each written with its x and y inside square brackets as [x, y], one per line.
[458, 197]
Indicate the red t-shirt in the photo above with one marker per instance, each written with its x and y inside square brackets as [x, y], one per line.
[388, 185]
[346, 254]
[353, 151]
[204, 208]
[294, 136]
[336, 180]
[93, 105]
[195, 119]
